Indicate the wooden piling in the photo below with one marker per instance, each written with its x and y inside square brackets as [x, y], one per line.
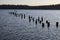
[24, 16]
[46, 21]
[40, 22]
[38, 18]
[41, 18]
[48, 24]
[21, 16]
[57, 24]
[29, 19]
[43, 25]
[33, 19]
[36, 21]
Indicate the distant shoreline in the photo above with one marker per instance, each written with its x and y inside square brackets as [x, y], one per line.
[26, 7]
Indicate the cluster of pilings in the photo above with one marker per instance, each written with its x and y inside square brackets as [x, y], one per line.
[32, 19]
[18, 15]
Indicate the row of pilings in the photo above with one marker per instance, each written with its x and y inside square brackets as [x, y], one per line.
[32, 19]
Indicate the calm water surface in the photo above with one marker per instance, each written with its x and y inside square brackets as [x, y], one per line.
[15, 28]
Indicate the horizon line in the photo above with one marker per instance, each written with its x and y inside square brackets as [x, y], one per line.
[29, 5]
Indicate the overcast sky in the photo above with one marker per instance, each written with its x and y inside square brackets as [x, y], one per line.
[30, 2]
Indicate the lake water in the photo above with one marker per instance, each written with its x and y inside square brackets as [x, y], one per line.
[15, 28]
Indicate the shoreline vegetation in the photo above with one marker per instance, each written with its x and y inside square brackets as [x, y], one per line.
[43, 7]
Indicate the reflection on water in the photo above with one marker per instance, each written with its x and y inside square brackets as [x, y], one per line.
[15, 28]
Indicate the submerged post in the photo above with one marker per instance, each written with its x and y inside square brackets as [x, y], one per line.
[21, 16]
[41, 18]
[33, 19]
[24, 16]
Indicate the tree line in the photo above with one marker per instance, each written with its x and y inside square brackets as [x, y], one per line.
[52, 7]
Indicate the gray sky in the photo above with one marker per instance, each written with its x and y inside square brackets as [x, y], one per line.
[30, 2]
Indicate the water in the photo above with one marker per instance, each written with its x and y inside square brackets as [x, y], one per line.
[15, 28]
